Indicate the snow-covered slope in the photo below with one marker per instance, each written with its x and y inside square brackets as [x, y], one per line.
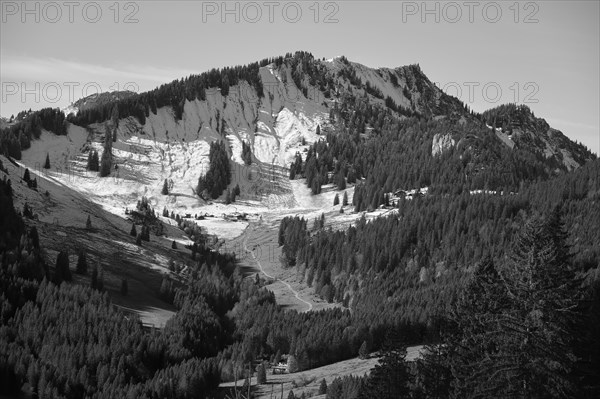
[276, 125]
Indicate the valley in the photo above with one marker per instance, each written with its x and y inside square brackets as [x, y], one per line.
[313, 213]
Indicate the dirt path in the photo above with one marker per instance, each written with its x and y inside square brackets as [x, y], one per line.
[296, 294]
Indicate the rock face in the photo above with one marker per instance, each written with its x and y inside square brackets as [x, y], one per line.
[441, 143]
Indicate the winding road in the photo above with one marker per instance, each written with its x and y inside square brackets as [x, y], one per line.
[293, 291]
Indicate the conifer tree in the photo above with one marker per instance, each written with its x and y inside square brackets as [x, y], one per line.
[292, 364]
[26, 175]
[165, 189]
[345, 199]
[81, 267]
[133, 231]
[363, 351]
[106, 161]
[93, 163]
[390, 378]
[323, 387]
[47, 163]
[261, 374]
[336, 200]
[62, 272]
[88, 223]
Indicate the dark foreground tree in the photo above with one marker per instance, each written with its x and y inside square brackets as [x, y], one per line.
[81, 267]
[390, 378]
[514, 329]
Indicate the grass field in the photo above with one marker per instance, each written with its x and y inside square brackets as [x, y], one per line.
[308, 381]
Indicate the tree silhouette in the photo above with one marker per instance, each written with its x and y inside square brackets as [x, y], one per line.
[261, 374]
[81, 267]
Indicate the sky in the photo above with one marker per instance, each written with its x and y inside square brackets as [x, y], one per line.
[544, 54]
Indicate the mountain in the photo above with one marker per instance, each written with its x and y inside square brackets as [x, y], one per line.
[366, 194]
[96, 100]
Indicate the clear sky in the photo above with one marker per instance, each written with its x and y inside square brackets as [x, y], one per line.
[542, 53]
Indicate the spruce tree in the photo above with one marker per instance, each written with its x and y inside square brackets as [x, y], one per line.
[292, 364]
[133, 231]
[261, 374]
[545, 295]
[62, 271]
[345, 199]
[336, 200]
[390, 378]
[81, 267]
[165, 189]
[47, 163]
[363, 351]
[93, 163]
[106, 161]
[323, 387]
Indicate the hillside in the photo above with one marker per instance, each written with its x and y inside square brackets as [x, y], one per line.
[296, 208]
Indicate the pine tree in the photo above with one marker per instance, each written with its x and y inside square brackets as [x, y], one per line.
[106, 160]
[138, 240]
[336, 199]
[363, 351]
[174, 245]
[261, 374]
[390, 378]
[323, 387]
[47, 163]
[93, 161]
[545, 297]
[133, 231]
[62, 270]
[26, 175]
[345, 199]
[513, 334]
[472, 339]
[236, 190]
[165, 189]
[292, 364]
[81, 267]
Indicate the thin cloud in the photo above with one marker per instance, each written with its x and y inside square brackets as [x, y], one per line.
[29, 69]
